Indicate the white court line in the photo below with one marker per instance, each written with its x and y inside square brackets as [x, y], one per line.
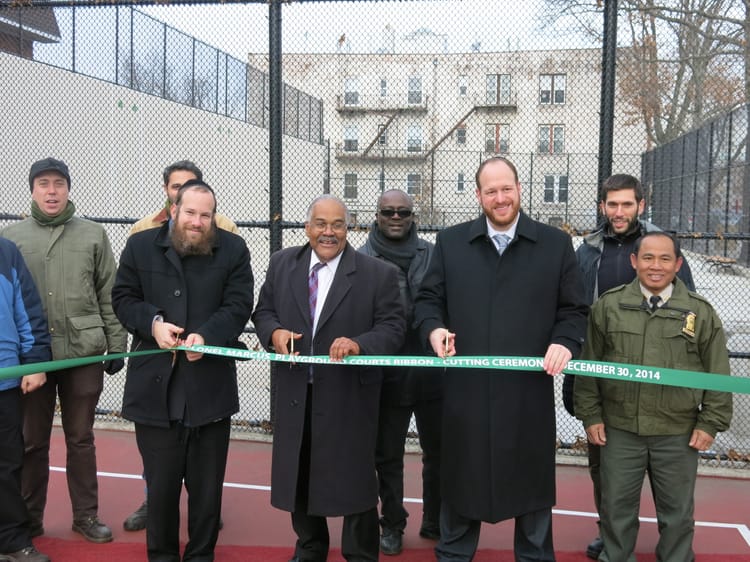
[739, 527]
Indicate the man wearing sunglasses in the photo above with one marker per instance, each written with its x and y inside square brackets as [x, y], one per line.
[393, 238]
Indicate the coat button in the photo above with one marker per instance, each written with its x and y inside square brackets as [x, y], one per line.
[177, 292]
[158, 379]
[295, 402]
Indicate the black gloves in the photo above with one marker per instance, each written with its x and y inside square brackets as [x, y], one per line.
[112, 366]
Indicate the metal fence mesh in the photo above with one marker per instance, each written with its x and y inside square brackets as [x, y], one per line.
[375, 96]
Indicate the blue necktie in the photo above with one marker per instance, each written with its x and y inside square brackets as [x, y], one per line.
[501, 242]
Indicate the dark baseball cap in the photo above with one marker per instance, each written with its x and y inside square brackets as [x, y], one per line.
[48, 165]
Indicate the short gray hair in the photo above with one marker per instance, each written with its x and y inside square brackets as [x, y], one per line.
[327, 197]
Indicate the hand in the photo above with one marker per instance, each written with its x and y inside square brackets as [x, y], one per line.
[596, 434]
[167, 335]
[191, 340]
[113, 366]
[556, 358]
[283, 341]
[443, 342]
[30, 383]
[700, 440]
[343, 347]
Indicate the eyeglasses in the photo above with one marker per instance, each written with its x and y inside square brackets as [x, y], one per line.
[389, 213]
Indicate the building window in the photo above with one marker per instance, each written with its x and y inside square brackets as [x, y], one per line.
[460, 182]
[551, 139]
[350, 186]
[383, 88]
[381, 181]
[414, 138]
[555, 189]
[351, 138]
[413, 184]
[351, 91]
[415, 90]
[463, 85]
[461, 134]
[496, 138]
[497, 89]
[552, 88]
[382, 135]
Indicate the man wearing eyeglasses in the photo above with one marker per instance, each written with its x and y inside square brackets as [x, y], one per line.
[325, 298]
[393, 238]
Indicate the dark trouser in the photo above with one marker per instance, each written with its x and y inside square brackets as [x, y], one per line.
[594, 469]
[14, 519]
[393, 425]
[199, 457]
[459, 536]
[359, 534]
[79, 389]
[673, 465]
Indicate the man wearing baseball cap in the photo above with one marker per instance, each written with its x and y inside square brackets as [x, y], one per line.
[71, 261]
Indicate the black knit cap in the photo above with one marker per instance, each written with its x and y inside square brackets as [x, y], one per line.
[48, 165]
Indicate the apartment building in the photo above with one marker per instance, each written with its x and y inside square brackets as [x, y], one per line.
[422, 122]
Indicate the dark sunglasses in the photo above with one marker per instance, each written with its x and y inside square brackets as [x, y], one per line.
[388, 213]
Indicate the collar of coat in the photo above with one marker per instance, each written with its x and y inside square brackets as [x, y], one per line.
[527, 228]
[632, 296]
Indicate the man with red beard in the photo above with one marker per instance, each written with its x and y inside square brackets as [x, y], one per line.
[186, 283]
[502, 284]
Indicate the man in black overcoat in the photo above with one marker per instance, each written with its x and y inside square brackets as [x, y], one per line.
[500, 285]
[323, 461]
[189, 283]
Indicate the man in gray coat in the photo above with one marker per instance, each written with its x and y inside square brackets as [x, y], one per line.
[326, 298]
[504, 285]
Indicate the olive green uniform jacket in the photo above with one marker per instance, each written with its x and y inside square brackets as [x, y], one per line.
[684, 334]
[74, 269]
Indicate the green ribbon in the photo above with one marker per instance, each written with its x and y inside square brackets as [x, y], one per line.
[599, 369]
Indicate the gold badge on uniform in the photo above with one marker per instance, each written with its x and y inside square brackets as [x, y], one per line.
[689, 326]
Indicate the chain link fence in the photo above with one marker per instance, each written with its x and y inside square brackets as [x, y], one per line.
[375, 96]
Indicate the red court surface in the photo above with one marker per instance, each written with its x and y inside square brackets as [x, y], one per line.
[254, 531]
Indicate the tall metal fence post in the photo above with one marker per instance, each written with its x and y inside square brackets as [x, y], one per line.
[607, 113]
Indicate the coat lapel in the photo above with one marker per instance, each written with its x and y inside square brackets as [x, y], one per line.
[341, 285]
[298, 284]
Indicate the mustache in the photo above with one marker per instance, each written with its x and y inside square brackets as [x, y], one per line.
[324, 239]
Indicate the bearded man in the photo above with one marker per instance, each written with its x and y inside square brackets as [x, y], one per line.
[186, 283]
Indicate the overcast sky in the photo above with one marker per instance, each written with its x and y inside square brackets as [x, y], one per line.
[487, 25]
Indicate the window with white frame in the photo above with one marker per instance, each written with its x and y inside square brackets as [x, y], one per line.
[382, 135]
[414, 138]
[460, 182]
[555, 189]
[415, 90]
[497, 138]
[497, 89]
[413, 184]
[552, 88]
[551, 139]
[463, 85]
[351, 138]
[461, 134]
[383, 88]
[350, 186]
[351, 91]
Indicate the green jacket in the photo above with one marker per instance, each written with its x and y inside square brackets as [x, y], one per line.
[74, 270]
[684, 334]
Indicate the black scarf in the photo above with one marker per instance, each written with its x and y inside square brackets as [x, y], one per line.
[400, 252]
[46, 220]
